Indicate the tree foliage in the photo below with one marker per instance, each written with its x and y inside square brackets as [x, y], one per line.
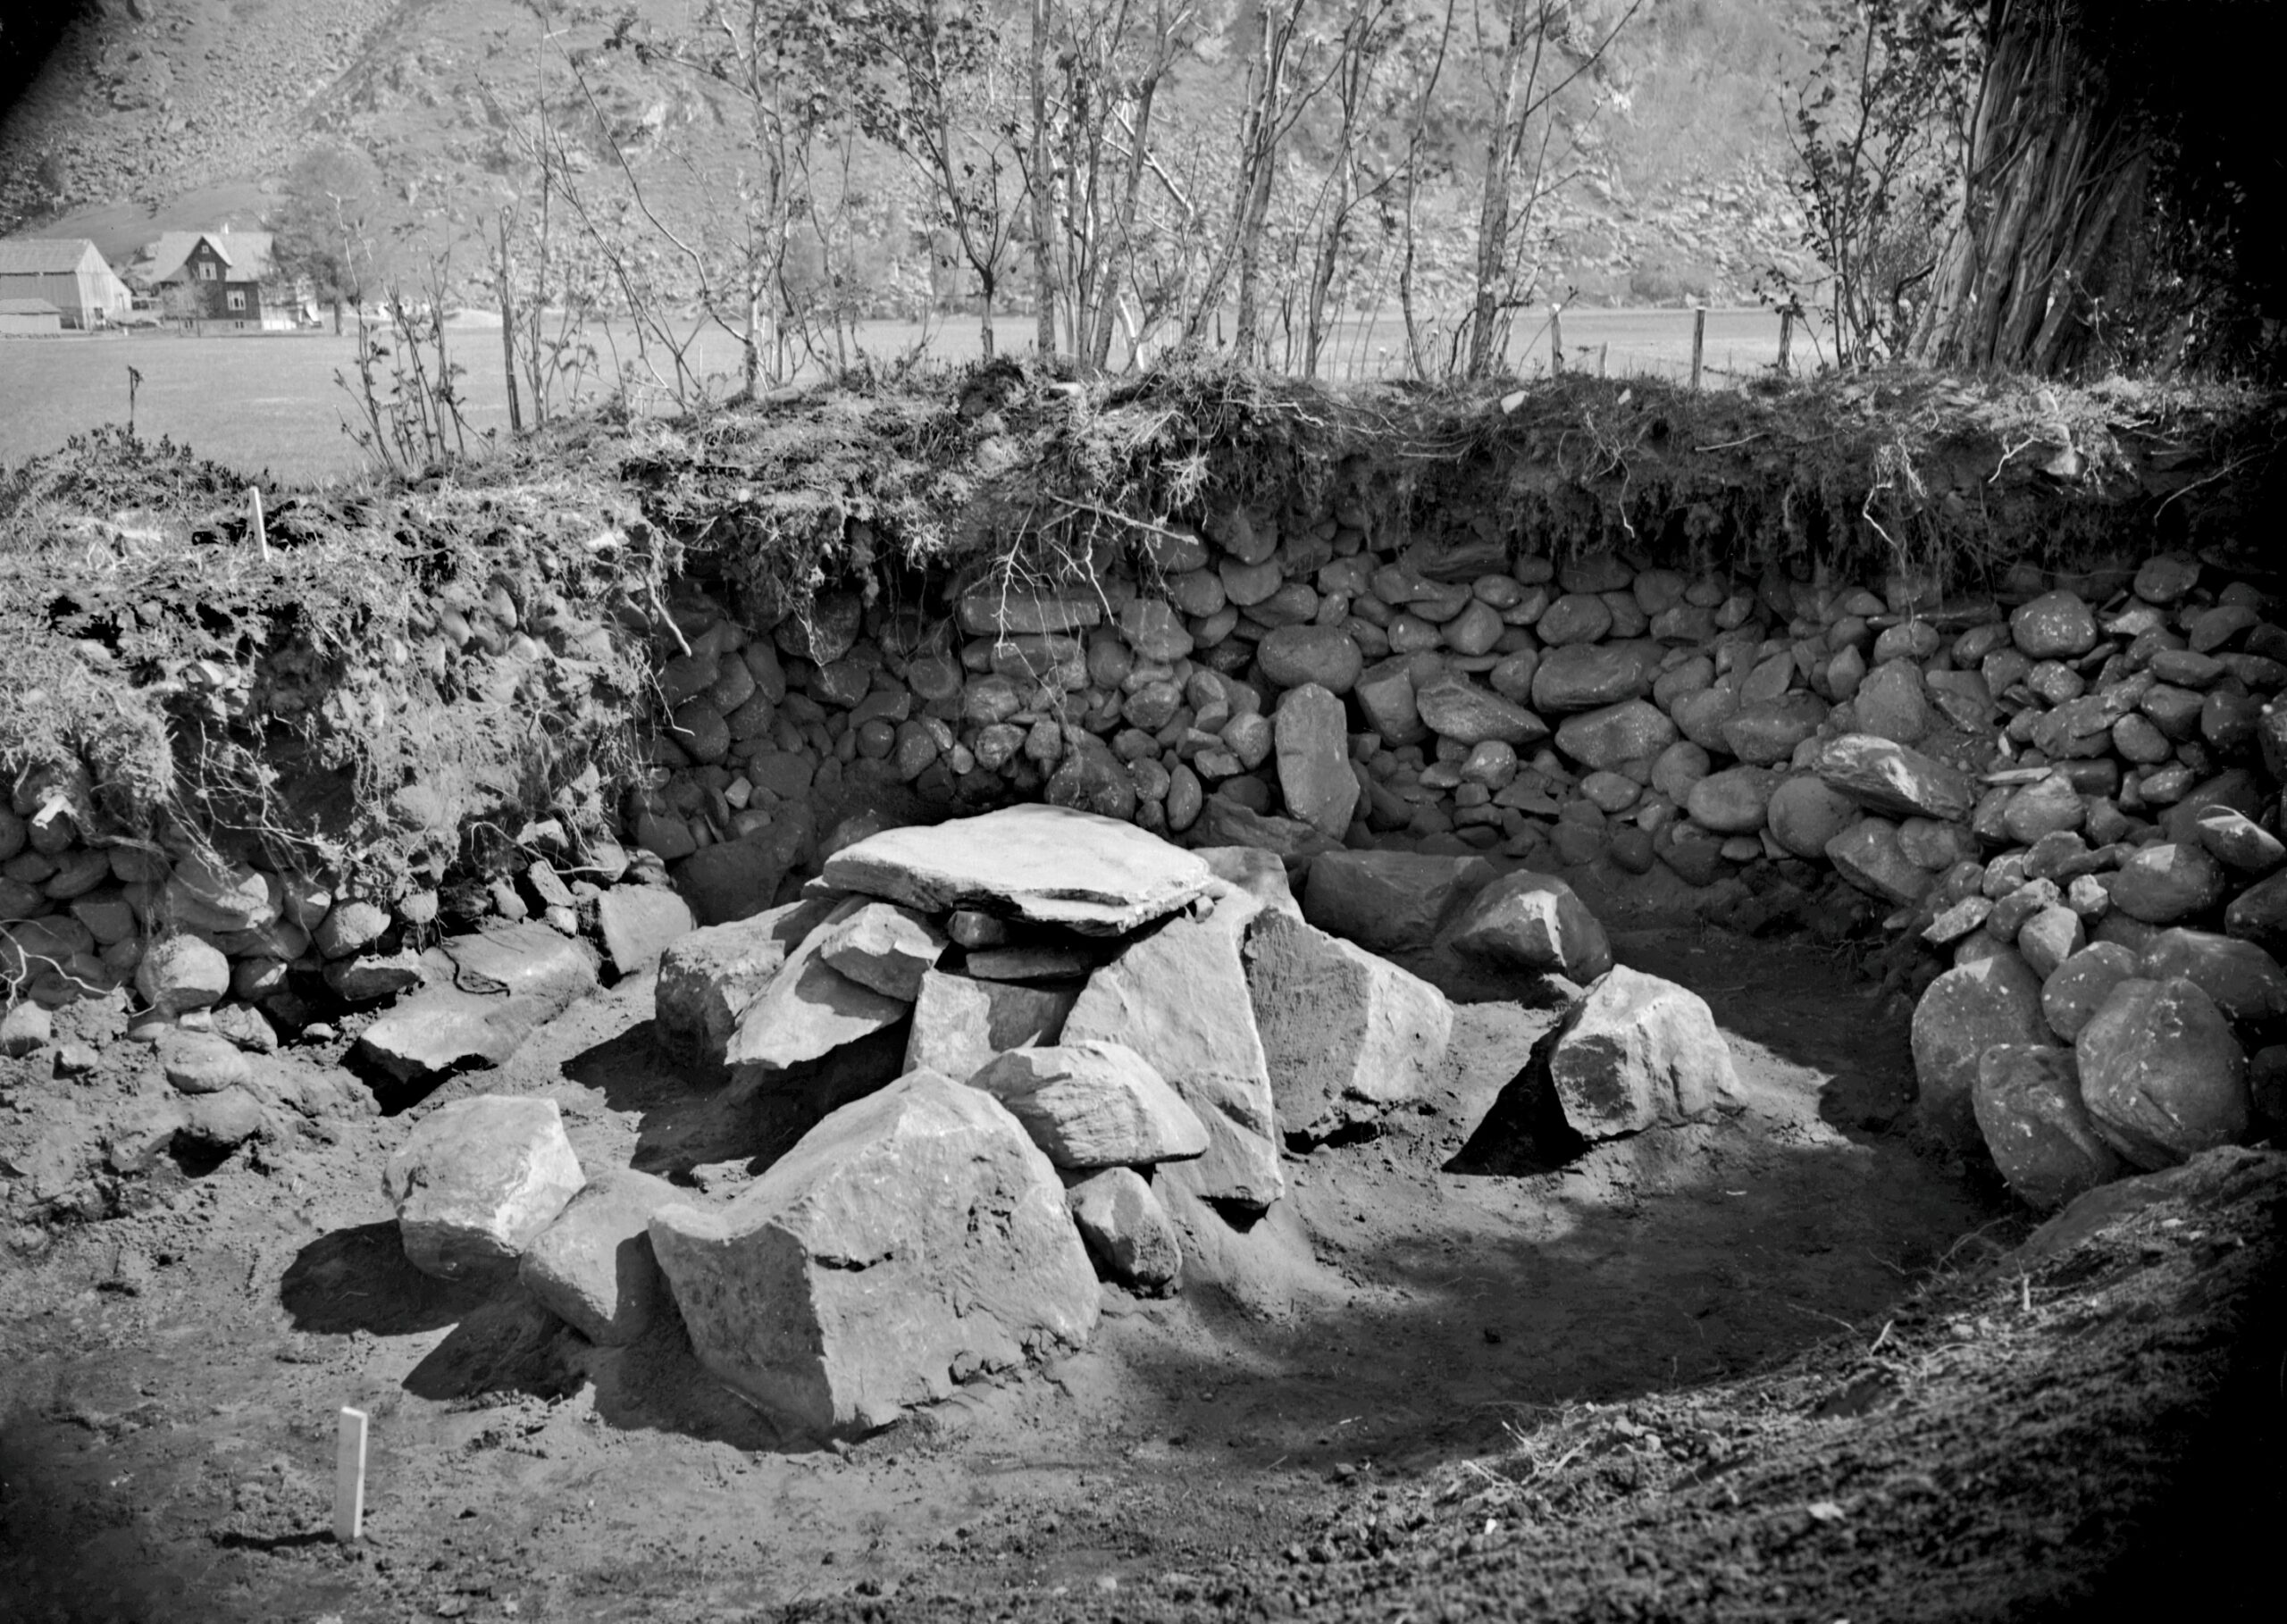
[2051, 185]
[332, 224]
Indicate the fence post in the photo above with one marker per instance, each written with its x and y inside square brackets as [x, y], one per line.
[1556, 340]
[1698, 340]
[1786, 342]
[1603, 350]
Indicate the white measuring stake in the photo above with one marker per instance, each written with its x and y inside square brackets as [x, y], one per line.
[349, 1477]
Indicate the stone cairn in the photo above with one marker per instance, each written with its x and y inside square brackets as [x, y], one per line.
[2071, 778]
[1053, 1046]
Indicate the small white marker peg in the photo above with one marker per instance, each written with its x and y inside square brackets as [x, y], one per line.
[349, 1477]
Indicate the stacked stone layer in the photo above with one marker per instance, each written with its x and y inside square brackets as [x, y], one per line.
[2059, 763]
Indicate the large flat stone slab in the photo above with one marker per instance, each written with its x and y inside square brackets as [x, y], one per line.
[1051, 865]
[490, 991]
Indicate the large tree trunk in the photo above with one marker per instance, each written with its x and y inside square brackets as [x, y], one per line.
[2054, 193]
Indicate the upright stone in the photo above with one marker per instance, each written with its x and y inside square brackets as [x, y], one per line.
[638, 923]
[1126, 1230]
[959, 1023]
[1345, 1035]
[1314, 774]
[914, 1238]
[1386, 696]
[1537, 923]
[809, 1008]
[476, 1180]
[592, 1267]
[707, 978]
[1178, 997]
[1638, 1052]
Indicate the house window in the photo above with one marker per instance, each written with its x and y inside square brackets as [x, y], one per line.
[205, 270]
[238, 299]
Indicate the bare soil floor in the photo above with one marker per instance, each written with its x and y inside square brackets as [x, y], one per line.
[1771, 1367]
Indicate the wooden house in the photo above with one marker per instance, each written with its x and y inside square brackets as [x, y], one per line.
[69, 272]
[28, 319]
[227, 278]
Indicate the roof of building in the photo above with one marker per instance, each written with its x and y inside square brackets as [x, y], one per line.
[247, 253]
[28, 307]
[44, 256]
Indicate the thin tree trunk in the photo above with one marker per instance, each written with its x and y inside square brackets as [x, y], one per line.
[1493, 208]
[508, 332]
[1043, 215]
[1261, 153]
[1108, 296]
[1329, 261]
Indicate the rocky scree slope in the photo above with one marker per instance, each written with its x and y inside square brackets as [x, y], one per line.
[149, 103]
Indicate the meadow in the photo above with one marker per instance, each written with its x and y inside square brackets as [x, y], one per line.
[270, 404]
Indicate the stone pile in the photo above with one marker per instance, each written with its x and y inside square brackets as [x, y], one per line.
[1056, 1043]
[224, 955]
[2110, 998]
[2060, 765]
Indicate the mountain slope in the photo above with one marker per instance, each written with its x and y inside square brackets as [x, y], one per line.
[158, 114]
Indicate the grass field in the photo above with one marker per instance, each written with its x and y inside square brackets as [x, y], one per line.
[270, 402]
